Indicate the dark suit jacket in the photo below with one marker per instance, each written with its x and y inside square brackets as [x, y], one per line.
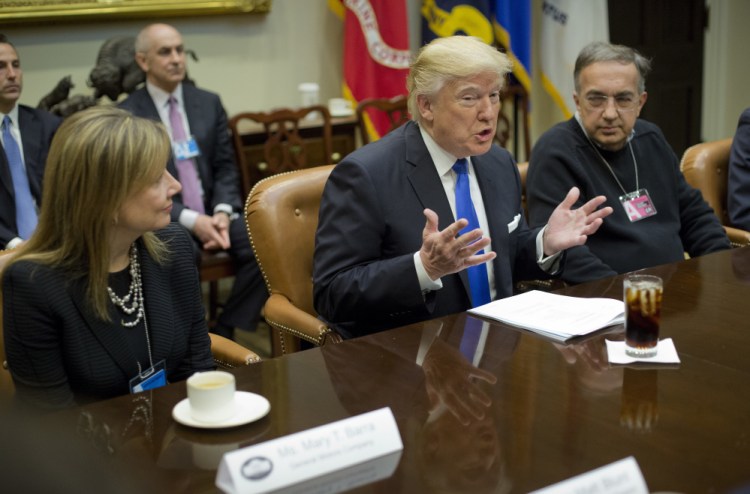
[37, 129]
[60, 353]
[208, 124]
[371, 222]
[738, 193]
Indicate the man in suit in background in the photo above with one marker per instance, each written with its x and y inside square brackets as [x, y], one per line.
[22, 159]
[388, 250]
[210, 203]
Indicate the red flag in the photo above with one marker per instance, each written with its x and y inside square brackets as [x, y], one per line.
[376, 54]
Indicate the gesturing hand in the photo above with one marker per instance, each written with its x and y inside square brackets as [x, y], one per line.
[443, 253]
[451, 380]
[570, 227]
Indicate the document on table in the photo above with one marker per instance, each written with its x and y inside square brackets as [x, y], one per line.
[559, 317]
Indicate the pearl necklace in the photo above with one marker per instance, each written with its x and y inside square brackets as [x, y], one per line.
[134, 297]
[133, 300]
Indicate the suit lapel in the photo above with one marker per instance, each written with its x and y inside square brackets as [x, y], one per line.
[157, 296]
[486, 177]
[428, 186]
[424, 178]
[144, 106]
[31, 136]
[5, 177]
[159, 314]
[195, 115]
[111, 338]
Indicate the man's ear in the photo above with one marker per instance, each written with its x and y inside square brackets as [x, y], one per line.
[641, 101]
[140, 59]
[424, 105]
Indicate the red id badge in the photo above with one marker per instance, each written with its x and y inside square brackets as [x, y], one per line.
[638, 205]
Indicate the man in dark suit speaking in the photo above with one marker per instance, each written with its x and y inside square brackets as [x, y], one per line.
[400, 237]
[203, 162]
[25, 134]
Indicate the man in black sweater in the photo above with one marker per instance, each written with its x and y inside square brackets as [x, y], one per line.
[606, 150]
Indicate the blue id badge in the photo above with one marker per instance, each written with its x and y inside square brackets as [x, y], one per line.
[184, 150]
[151, 378]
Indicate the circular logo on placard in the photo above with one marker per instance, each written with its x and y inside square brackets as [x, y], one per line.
[256, 468]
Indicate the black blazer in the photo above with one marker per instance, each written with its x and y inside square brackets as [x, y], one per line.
[370, 226]
[738, 194]
[37, 129]
[60, 354]
[208, 124]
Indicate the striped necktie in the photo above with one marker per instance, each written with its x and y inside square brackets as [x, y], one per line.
[186, 171]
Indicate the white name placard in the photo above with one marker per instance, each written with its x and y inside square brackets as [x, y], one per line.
[317, 452]
[621, 477]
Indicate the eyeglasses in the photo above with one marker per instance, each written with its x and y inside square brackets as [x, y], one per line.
[599, 102]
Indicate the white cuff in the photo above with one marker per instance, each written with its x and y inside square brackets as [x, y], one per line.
[549, 264]
[188, 217]
[425, 283]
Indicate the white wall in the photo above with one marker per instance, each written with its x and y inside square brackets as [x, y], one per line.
[256, 61]
[726, 76]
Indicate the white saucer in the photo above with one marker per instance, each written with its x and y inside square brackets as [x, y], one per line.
[250, 407]
[346, 112]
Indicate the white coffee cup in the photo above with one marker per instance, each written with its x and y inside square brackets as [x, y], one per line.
[339, 106]
[309, 92]
[211, 396]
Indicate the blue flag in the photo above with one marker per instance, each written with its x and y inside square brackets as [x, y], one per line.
[441, 18]
[512, 25]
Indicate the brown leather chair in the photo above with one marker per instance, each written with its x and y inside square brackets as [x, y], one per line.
[395, 109]
[705, 167]
[227, 354]
[6, 382]
[282, 217]
[286, 144]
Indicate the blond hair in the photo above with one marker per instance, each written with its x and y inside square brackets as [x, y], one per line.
[98, 158]
[445, 60]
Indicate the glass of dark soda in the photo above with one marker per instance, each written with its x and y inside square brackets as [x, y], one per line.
[642, 294]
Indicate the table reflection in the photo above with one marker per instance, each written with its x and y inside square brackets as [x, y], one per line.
[441, 389]
[639, 410]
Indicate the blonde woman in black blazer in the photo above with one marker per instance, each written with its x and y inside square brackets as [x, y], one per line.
[73, 332]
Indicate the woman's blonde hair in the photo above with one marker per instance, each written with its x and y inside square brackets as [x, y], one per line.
[98, 158]
[450, 59]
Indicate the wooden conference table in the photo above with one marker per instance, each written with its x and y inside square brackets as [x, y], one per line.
[554, 411]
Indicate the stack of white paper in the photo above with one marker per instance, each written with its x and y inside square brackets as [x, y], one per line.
[559, 317]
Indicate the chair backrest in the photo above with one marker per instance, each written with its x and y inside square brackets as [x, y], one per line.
[6, 382]
[523, 169]
[287, 137]
[705, 167]
[393, 110]
[285, 253]
[514, 108]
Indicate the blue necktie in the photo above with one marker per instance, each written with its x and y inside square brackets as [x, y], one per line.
[478, 281]
[25, 212]
[470, 338]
